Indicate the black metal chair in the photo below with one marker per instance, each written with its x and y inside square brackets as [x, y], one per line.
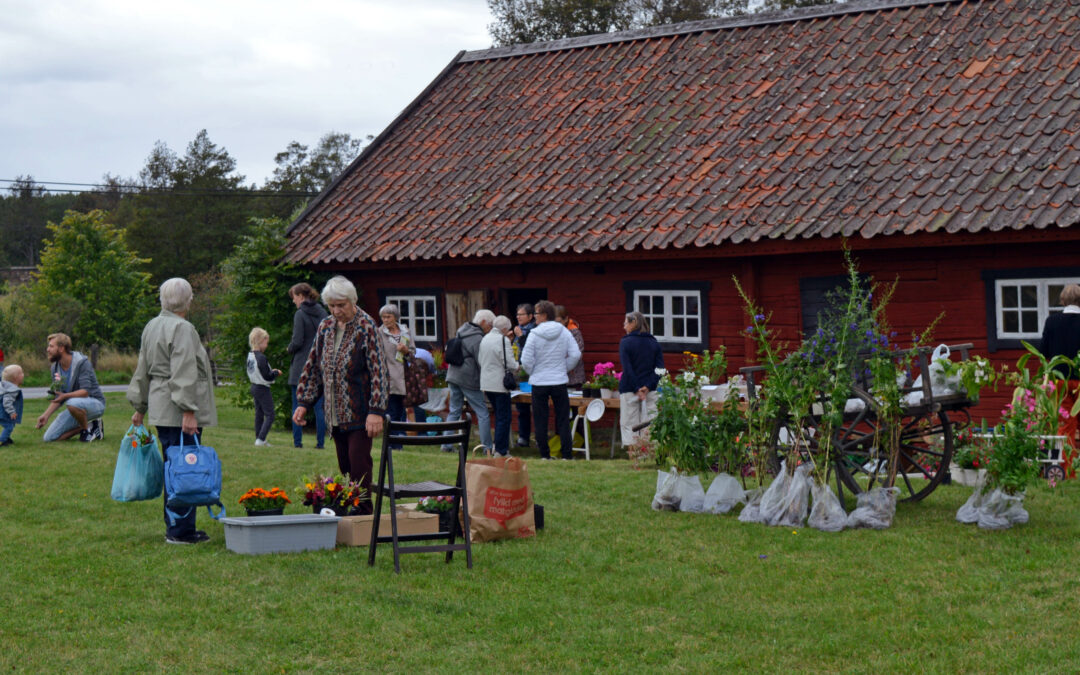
[396, 433]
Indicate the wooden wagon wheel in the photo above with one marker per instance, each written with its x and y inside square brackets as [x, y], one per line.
[925, 450]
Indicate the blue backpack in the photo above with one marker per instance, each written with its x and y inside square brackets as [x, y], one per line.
[192, 479]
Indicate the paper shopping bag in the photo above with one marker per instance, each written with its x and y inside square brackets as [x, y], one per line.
[500, 499]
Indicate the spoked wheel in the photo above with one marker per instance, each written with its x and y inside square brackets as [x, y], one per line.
[926, 447]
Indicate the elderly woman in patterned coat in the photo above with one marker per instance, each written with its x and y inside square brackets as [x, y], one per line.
[346, 366]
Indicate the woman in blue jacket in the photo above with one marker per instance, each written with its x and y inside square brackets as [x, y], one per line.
[641, 357]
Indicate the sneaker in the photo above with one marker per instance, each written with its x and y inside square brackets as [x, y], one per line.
[86, 435]
[547, 459]
[567, 459]
[448, 448]
[97, 429]
[320, 446]
[261, 443]
[7, 442]
[195, 537]
[522, 442]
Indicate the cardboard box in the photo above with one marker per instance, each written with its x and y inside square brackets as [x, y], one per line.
[356, 530]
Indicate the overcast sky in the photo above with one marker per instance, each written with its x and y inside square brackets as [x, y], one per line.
[87, 87]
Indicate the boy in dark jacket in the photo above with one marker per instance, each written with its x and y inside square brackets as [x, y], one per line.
[11, 402]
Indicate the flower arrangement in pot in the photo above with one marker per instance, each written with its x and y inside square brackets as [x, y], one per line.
[332, 492]
[262, 502]
[604, 378]
[443, 505]
[57, 386]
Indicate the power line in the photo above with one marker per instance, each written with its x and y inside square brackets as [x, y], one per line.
[83, 188]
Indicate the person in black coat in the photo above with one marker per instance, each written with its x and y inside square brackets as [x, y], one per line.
[641, 357]
[1061, 337]
[309, 313]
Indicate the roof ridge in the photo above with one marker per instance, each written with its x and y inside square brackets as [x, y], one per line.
[667, 30]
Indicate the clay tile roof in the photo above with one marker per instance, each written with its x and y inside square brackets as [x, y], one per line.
[870, 118]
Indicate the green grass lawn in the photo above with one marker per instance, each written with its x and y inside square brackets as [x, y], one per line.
[88, 584]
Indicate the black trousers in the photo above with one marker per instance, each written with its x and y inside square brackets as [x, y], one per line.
[560, 400]
[264, 410]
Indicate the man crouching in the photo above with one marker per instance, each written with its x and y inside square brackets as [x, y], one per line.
[76, 390]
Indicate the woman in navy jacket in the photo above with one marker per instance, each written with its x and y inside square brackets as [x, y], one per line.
[641, 357]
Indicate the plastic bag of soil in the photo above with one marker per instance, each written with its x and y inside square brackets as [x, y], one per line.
[874, 509]
[1000, 511]
[774, 500]
[666, 497]
[724, 493]
[691, 493]
[969, 512]
[751, 513]
[797, 500]
[826, 514]
[678, 492]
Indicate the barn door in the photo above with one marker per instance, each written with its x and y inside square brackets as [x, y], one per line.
[462, 307]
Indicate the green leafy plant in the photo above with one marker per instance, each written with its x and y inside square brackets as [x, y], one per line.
[439, 504]
[689, 431]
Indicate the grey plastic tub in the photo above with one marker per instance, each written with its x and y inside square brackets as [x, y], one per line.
[280, 534]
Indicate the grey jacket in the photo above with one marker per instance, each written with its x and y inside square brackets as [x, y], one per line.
[173, 374]
[467, 375]
[12, 398]
[304, 325]
[82, 376]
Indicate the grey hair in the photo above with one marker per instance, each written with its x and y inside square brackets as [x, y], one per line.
[501, 323]
[390, 309]
[175, 295]
[639, 321]
[1070, 295]
[337, 289]
[485, 315]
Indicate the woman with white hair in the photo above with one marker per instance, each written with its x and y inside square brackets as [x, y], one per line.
[347, 368]
[173, 388]
[496, 357]
[398, 346]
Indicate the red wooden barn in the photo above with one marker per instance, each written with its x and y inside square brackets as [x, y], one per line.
[939, 138]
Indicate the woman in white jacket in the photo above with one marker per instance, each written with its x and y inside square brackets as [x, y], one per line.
[496, 356]
[550, 352]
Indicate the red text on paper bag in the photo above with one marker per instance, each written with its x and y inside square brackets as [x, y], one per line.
[502, 505]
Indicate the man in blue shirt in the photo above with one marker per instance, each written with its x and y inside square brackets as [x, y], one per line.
[77, 392]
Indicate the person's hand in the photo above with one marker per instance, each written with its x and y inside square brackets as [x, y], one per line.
[517, 331]
[188, 425]
[299, 415]
[14, 416]
[402, 347]
[42, 420]
[374, 425]
[275, 371]
[642, 393]
[137, 419]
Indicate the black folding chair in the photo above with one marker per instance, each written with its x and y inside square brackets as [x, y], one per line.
[395, 433]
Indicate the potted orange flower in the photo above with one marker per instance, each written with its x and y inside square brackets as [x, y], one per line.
[261, 502]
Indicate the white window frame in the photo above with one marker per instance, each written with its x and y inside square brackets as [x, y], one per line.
[667, 319]
[408, 305]
[1043, 306]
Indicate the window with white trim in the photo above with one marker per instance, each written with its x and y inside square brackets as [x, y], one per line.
[1022, 305]
[674, 316]
[419, 314]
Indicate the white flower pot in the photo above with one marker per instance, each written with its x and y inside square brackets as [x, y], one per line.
[606, 393]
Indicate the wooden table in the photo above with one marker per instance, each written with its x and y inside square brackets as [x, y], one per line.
[580, 403]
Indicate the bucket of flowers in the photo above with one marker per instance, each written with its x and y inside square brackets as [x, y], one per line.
[443, 505]
[262, 502]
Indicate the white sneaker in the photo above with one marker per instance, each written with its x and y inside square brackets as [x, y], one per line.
[261, 443]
